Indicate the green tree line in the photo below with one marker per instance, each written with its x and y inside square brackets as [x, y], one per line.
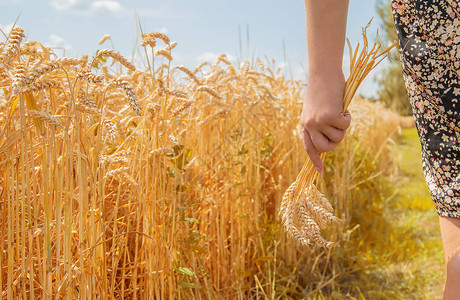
[392, 90]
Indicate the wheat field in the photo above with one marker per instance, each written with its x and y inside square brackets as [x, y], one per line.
[163, 182]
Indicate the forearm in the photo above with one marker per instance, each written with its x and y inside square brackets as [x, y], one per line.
[326, 28]
[323, 122]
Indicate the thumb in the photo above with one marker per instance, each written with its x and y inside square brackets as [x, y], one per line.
[343, 120]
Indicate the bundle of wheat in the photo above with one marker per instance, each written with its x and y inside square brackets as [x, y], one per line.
[304, 210]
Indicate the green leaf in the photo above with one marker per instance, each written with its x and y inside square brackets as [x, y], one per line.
[243, 170]
[177, 149]
[243, 151]
[171, 172]
[182, 187]
[244, 215]
[266, 258]
[185, 271]
[244, 273]
[188, 285]
[188, 154]
[194, 237]
[192, 220]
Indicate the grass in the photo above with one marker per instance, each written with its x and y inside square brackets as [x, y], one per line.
[417, 209]
[413, 190]
[402, 253]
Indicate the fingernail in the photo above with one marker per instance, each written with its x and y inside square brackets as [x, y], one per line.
[318, 169]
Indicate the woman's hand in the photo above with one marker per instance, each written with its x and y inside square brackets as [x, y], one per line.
[323, 122]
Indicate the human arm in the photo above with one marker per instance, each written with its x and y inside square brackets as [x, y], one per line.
[323, 121]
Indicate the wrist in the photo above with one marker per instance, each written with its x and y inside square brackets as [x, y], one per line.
[328, 77]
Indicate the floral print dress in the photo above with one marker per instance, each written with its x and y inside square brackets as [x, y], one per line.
[429, 36]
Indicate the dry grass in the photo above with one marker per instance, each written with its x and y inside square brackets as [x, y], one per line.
[126, 183]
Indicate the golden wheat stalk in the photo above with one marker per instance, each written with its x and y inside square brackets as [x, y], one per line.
[148, 39]
[304, 210]
[116, 56]
[13, 44]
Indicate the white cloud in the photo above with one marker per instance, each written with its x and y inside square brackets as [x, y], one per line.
[212, 57]
[87, 7]
[106, 6]
[115, 7]
[55, 41]
[65, 4]
[163, 30]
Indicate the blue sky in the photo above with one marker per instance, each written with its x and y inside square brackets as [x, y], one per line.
[242, 29]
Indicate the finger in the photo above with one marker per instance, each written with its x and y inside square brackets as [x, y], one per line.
[342, 120]
[334, 134]
[321, 142]
[312, 152]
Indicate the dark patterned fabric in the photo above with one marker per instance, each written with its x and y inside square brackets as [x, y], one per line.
[429, 36]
